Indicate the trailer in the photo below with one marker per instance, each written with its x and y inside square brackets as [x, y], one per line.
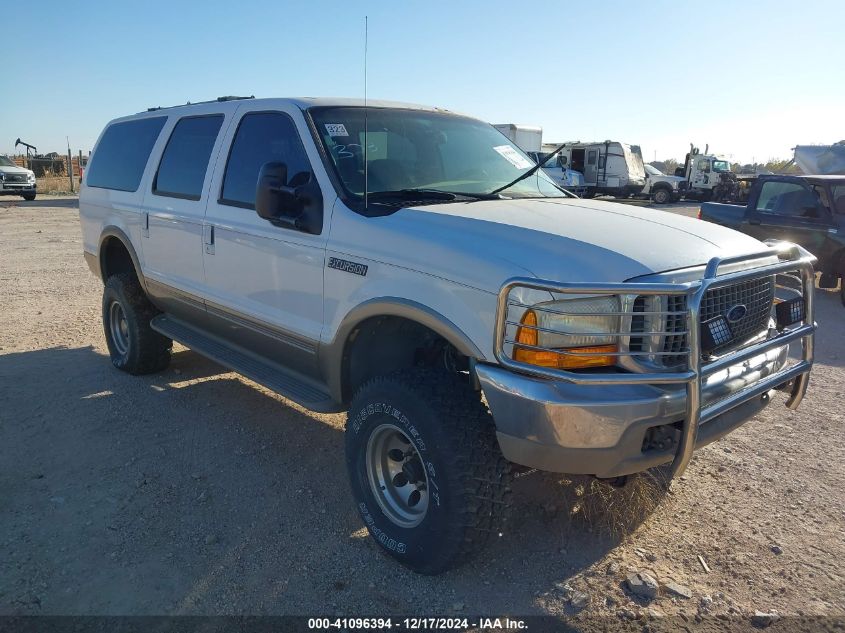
[609, 167]
[528, 138]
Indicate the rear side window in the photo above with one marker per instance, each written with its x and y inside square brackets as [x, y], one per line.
[262, 137]
[184, 162]
[120, 158]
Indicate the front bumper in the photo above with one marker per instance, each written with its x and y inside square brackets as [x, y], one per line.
[17, 188]
[611, 424]
[562, 427]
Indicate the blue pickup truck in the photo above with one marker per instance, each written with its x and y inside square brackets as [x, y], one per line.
[807, 210]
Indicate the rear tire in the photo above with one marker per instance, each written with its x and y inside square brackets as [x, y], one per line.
[662, 196]
[134, 347]
[427, 475]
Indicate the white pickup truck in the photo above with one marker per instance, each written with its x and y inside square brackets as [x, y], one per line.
[411, 266]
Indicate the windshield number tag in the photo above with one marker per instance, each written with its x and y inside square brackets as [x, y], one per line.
[513, 157]
[336, 129]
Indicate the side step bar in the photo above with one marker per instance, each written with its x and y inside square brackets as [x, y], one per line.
[270, 375]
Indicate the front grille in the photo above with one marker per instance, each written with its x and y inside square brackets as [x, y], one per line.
[15, 178]
[675, 323]
[756, 295]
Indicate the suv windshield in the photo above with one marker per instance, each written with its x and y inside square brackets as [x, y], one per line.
[5, 161]
[721, 165]
[422, 150]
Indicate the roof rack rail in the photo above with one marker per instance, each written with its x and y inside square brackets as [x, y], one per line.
[217, 100]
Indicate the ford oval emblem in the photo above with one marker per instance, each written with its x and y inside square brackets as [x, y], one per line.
[736, 313]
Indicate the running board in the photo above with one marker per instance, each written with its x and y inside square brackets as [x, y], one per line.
[272, 376]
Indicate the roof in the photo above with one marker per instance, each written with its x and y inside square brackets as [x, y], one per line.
[308, 102]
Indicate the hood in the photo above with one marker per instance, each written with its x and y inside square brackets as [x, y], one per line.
[14, 170]
[666, 178]
[482, 243]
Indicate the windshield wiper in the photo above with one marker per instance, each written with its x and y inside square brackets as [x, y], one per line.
[428, 194]
[528, 173]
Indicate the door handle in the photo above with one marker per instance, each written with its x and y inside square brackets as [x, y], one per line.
[755, 222]
[145, 224]
[208, 238]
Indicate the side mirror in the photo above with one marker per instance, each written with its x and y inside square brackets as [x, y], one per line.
[296, 204]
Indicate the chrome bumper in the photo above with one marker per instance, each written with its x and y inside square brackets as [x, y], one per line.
[558, 420]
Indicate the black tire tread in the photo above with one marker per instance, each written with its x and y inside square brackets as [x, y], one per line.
[481, 474]
[151, 353]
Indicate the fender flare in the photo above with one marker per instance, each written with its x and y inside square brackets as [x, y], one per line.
[118, 233]
[331, 355]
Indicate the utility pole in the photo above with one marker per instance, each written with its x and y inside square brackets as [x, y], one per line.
[69, 164]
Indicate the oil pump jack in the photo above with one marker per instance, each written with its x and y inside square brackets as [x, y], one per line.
[29, 148]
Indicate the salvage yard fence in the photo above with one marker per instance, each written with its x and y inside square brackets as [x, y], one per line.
[55, 173]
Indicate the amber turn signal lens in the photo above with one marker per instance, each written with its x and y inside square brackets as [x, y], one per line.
[572, 359]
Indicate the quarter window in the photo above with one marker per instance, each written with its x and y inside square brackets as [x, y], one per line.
[591, 157]
[122, 154]
[262, 137]
[183, 165]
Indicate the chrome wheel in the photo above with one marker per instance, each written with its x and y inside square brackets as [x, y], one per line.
[397, 476]
[118, 328]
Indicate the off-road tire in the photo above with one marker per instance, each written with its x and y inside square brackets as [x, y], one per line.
[662, 196]
[145, 351]
[468, 478]
[29, 197]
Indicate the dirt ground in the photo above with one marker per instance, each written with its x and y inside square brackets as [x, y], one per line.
[196, 491]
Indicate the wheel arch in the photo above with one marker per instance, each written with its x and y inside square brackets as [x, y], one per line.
[335, 356]
[112, 253]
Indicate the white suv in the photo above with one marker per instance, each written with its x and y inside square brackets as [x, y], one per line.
[413, 267]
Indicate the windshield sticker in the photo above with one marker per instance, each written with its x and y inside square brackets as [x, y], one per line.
[336, 129]
[513, 157]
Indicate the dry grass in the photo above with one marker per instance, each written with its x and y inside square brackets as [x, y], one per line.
[56, 184]
[615, 510]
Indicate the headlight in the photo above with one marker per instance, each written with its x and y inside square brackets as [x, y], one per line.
[31, 176]
[573, 333]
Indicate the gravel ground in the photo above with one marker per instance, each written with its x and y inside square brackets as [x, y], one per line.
[196, 491]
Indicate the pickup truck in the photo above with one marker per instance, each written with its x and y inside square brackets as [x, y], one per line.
[806, 210]
[16, 181]
[660, 187]
[412, 267]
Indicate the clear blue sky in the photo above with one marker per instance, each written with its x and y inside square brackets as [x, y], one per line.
[752, 79]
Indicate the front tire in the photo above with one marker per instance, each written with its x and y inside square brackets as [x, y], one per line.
[427, 475]
[29, 197]
[662, 196]
[134, 347]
